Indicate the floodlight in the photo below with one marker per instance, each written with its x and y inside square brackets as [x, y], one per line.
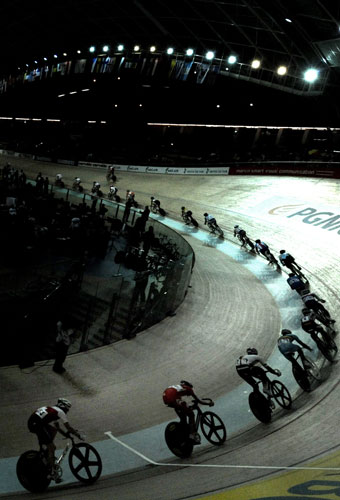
[189, 52]
[120, 47]
[45, 58]
[288, 20]
[170, 51]
[281, 70]
[255, 64]
[311, 75]
[232, 59]
[210, 55]
[136, 48]
[55, 56]
[105, 48]
[78, 51]
[92, 49]
[152, 48]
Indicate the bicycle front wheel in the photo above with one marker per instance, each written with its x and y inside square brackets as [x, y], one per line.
[259, 406]
[85, 463]
[213, 428]
[281, 394]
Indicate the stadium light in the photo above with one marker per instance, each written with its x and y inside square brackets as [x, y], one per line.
[255, 64]
[281, 70]
[170, 51]
[152, 48]
[136, 48]
[210, 55]
[190, 52]
[311, 75]
[232, 59]
[105, 48]
[120, 47]
[92, 48]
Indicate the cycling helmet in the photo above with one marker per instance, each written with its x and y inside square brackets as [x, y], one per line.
[205, 215]
[282, 251]
[182, 208]
[64, 404]
[184, 382]
[305, 311]
[251, 350]
[286, 332]
[235, 227]
[257, 241]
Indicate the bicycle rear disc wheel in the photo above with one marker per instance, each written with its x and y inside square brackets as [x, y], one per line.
[301, 378]
[85, 463]
[32, 472]
[260, 407]
[281, 394]
[177, 439]
[213, 428]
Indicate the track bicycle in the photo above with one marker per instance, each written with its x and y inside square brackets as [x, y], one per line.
[84, 461]
[177, 433]
[325, 342]
[305, 371]
[246, 242]
[215, 228]
[262, 406]
[296, 269]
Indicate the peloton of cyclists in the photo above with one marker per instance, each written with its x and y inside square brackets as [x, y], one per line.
[287, 347]
[248, 369]
[172, 397]
[45, 423]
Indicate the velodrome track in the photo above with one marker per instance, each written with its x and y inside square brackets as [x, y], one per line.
[118, 388]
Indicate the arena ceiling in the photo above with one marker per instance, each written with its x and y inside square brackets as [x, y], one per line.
[276, 31]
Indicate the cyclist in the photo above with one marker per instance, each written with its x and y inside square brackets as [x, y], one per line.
[296, 283]
[240, 233]
[287, 347]
[248, 369]
[186, 215]
[262, 248]
[172, 397]
[44, 422]
[288, 260]
[311, 323]
[113, 192]
[210, 220]
[312, 301]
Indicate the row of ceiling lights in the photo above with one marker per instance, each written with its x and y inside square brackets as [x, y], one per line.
[310, 75]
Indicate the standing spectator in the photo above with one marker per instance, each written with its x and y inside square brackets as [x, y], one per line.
[128, 206]
[63, 342]
[148, 238]
[45, 185]
[144, 218]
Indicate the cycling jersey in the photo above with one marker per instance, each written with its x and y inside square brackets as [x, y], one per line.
[174, 393]
[248, 361]
[113, 189]
[286, 344]
[296, 283]
[308, 322]
[262, 247]
[49, 415]
[286, 259]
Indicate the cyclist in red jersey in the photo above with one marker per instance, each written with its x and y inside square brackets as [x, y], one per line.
[172, 397]
[44, 422]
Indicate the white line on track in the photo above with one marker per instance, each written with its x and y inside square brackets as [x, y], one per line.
[221, 466]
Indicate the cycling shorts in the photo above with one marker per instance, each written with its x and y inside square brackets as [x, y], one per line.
[45, 433]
